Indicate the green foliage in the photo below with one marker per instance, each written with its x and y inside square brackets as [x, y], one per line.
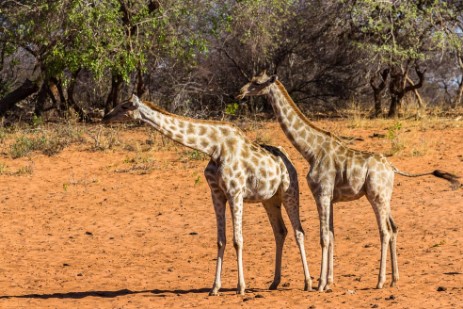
[100, 36]
[197, 180]
[37, 121]
[393, 131]
[25, 145]
[232, 109]
[401, 30]
[393, 134]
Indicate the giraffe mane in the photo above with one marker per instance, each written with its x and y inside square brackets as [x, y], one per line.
[163, 111]
[299, 112]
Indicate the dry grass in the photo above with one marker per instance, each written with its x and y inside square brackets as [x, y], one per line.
[395, 137]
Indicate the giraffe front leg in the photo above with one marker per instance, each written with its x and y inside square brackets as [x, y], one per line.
[219, 201]
[221, 242]
[291, 202]
[330, 276]
[323, 207]
[273, 209]
[236, 207]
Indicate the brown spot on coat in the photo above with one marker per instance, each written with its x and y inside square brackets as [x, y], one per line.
[231, 144]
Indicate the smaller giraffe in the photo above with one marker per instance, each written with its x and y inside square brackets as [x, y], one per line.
[239, 171]
[337, 174]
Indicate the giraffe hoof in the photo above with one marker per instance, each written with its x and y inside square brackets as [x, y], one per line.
[308, 286]
[273, 286]
[214, 292]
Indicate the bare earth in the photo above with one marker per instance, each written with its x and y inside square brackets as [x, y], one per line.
[134, 227]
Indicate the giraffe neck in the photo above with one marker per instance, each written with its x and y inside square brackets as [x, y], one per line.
[305, 136]
[200, 135]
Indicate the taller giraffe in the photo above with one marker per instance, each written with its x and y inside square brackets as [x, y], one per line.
[337, 173]
[239, 171]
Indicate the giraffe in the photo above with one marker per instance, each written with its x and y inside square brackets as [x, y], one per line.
[238, 171]
[337, 174]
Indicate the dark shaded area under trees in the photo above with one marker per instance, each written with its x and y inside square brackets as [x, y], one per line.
[65, 57]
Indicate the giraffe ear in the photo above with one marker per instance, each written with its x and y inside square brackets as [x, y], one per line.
[135, 100]
[273, 79]
[132, 103]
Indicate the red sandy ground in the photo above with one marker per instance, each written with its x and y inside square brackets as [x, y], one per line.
[87, 229]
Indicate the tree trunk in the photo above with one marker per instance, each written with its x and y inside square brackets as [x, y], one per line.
[57, 95]
[459, 97]
[419, 99]
[72, 103]
[141, 87]
[377, 92]
[398, 88]
[21, 93]
[112, 100]
[395, 107]
[41, 98]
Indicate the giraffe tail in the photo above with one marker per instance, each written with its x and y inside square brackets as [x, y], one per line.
[452, 178]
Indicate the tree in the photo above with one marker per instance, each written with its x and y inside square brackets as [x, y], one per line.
[119, 37]
[304, 42]
[400, 36]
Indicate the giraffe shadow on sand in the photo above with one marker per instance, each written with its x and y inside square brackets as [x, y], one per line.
[118, 293]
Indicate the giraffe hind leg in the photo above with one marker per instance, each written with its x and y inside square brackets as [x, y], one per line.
[379, 192]
[273, 209]
[393, 249]
[387, 239]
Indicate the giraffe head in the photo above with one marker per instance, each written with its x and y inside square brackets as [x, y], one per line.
[125, 111]
[257, 86]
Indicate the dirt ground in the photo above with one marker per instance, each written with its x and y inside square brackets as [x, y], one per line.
[134, 227]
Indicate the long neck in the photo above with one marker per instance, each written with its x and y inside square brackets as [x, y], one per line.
[305, 136]
[200, 135]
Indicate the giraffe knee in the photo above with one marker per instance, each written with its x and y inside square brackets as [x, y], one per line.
[324, 237]
[392, 225]
[385, 235]
[237, 243]
[300, 235]
[283, 232]
[221, 244]
[325, 240]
